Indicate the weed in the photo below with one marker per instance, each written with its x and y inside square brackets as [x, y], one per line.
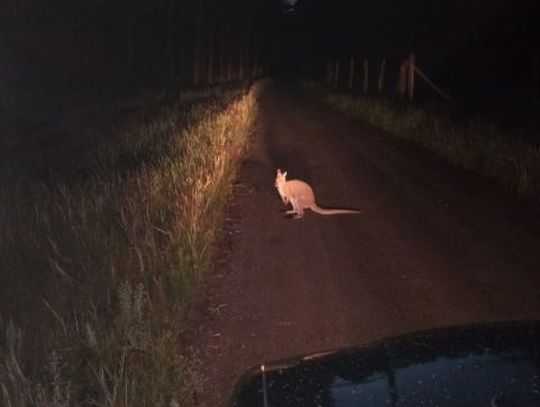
[509, 156]
[112, 252]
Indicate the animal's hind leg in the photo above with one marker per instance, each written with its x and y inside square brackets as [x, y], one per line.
[294, 210]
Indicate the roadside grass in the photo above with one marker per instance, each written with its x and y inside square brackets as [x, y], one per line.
[98, 258]
[509, 155]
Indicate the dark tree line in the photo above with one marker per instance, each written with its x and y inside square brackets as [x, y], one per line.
[89, 41]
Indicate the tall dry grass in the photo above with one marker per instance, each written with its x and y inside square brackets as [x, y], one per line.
[99, 259]
[508, 155]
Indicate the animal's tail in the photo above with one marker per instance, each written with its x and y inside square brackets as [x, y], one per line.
[323, 211]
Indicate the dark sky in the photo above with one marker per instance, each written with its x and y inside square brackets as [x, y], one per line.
[459, 42]
[470, 47]
[395, 27]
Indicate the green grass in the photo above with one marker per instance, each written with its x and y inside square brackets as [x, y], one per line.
[101, 254]
[509, 155]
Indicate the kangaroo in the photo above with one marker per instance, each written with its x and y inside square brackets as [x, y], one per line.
[300, 196]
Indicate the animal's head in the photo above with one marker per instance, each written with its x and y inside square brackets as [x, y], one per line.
[281, 177]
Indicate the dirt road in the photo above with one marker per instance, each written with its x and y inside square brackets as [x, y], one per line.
[433, 247]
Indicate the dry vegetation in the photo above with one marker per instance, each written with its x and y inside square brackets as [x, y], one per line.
[508, 155]
[98, 256]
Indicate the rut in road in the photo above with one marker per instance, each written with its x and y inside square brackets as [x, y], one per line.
[433, 247]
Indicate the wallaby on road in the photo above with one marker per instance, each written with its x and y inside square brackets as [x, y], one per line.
[301, 196]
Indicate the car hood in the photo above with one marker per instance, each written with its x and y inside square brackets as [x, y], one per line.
[495, 365]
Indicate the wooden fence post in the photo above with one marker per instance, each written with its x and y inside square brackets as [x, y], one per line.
[410, 77]
[351, 73]
[366, 75]
[402, 81]
[329, 73]
[381, 76]
[336, 74]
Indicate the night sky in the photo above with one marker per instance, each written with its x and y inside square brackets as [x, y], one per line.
[473, 49]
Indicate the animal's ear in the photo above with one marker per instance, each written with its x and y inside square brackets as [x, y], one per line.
[284, 174]
[278, 172]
